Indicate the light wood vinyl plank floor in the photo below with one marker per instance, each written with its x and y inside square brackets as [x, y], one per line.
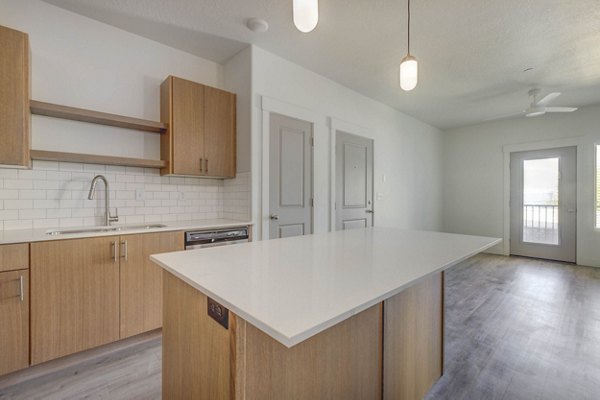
[520, 328]
[133, 374]
[516, 328]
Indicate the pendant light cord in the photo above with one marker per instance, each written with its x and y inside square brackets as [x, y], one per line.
[408, 26]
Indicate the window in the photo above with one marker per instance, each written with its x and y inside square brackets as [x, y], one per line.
[597, 186]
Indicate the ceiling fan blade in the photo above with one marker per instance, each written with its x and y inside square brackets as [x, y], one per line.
[535, 113]
[548, 99]
[561, 109]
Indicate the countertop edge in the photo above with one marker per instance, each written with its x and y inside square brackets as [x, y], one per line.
[302, 336]
[38, 235]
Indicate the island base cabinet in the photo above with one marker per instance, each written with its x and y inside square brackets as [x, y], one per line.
[342, 362]
[75, 301]
[14, 321]
[413, 340]
[391, 351]
[203, 360]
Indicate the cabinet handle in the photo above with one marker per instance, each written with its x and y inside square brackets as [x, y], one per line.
[201, 159]
[114, 251]
[21, 291]
[206, 166]
[124, 249]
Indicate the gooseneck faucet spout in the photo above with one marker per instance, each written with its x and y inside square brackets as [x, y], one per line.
[107, 217]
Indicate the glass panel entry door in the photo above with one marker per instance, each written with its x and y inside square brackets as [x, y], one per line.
[543, 204]
[540, 200]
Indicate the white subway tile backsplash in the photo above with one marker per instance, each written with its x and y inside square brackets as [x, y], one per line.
[7, 215]
[95, 168]
[18, 184]
[58, 213]
[18, 204]
[54, 194]
[45, 223]
[68, 166]
[32, 214]
[6, 194]
[66, 222]
[236, 197]
[30, 174]
[29, 194]
[58, 176]
[45, 165]
[8, 174]
[116, 169]
[18, 224]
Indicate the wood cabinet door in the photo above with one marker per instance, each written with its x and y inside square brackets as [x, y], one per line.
[75, 296]
[14, 321]
[187, 127]
[141, 280]
[14, 97]
[219, 133]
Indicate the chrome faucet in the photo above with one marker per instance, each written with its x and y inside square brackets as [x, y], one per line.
[107, 217]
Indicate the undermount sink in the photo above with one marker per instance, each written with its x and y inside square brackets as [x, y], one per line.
[98, 229]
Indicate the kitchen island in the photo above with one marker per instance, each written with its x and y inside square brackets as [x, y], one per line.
[343, 315]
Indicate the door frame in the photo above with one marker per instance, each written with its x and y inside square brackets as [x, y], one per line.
[318, 121]
[346, 127]
[577, 142]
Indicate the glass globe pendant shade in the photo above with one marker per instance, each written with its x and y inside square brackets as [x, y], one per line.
[306, 14]
[409, 73]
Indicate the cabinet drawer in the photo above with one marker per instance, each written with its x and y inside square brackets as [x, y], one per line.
[14, 257]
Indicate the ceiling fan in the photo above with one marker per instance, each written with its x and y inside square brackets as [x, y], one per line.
[540, 106]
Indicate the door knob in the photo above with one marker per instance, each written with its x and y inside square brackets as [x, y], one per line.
[274, 217]
[370, 211]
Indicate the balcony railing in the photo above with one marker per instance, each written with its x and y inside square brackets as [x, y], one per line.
[540, 223]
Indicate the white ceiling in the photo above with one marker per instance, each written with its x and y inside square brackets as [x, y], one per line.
[472, 53]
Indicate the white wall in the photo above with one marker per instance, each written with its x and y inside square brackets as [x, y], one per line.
[80, 62]
[407, 151]
[238, 79]
[474, 173]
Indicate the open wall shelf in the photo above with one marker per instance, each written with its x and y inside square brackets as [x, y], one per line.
[95, 117]
[96, 159]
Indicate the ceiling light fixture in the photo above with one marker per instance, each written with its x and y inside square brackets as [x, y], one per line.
[306, 14]
[409, 67]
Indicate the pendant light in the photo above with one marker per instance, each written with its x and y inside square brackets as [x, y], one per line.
[409, 67]
[306, 14]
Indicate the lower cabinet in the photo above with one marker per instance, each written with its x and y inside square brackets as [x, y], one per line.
[141, 280]
[75, 296]
[90, 292]
[14, 321]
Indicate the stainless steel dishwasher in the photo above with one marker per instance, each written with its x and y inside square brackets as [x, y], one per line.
[216, 237]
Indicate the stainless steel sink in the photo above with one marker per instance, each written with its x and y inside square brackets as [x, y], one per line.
[99, 229]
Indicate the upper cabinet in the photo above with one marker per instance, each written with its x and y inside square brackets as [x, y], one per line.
[201, 135]
[14, 98]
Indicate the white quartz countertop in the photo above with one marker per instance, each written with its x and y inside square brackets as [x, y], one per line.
[40, 235]
[296, 287]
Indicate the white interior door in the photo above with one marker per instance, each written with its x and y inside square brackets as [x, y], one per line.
[354, 181]
[543, 204]
[290, 177]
